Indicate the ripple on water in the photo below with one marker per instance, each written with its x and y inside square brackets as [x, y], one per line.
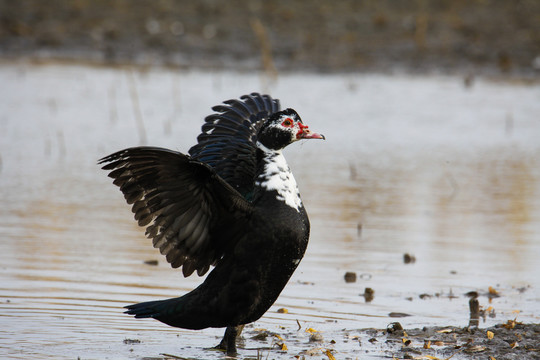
[421, 166]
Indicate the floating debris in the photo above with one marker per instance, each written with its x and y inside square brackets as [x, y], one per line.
[151, 262]
[350, 277]
[490, 311]
[316, 337]
[281, 345]
[262, 336]
[132, 341]
[398, 315]
[475, 349]
[492, 293]
[510, 324]
[329, 354]
[409, 259]
[368, 294]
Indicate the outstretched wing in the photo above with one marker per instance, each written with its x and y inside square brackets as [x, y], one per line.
[191, 214]
[228, 139]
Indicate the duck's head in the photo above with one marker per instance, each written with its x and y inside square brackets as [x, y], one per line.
[283, 128]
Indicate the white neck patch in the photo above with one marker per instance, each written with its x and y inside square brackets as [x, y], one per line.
[278, 176]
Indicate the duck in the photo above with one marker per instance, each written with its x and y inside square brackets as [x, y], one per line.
[231, 204]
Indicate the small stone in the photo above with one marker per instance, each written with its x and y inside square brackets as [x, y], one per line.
[394, 327]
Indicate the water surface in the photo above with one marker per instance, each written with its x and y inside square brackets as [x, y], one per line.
[412, 165]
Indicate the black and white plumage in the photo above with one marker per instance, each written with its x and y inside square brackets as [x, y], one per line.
[231, 203]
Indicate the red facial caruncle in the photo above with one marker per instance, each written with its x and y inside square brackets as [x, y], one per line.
[301, 131]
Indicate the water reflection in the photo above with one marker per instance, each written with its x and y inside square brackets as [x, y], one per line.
[477, 215]
[71, 256]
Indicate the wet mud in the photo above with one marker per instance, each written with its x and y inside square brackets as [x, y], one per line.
[507, 341]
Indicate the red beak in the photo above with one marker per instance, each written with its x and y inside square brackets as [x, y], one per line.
[305, 133]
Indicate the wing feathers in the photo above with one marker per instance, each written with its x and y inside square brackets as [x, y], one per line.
[194, 208]
[183, 204]
[228, 139]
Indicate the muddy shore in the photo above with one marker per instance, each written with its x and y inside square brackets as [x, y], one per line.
[507, 341]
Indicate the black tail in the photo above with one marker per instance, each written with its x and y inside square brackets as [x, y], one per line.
[154, 309]
[174, 312]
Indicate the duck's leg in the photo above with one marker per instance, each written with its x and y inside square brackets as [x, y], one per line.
[228, 343]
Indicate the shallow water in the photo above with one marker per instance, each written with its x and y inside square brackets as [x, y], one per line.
[417, 165]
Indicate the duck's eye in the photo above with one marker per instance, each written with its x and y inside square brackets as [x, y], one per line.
[287, 122]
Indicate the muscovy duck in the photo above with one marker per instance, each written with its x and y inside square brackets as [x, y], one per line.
[232, 203]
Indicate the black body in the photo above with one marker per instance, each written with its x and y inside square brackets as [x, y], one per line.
[232, 203]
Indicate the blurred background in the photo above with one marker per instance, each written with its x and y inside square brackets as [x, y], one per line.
[426, 191]
[486, 36]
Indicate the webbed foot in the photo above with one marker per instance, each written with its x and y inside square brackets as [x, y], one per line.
[228, 343]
